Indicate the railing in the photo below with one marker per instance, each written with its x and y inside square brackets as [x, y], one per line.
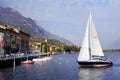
[21, 55]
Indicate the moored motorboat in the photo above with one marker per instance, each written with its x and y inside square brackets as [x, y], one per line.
[42, 59]
[27, 62]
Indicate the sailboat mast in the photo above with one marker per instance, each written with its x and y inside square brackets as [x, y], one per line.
[90, 21]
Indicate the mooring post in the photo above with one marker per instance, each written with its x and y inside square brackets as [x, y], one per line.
[14, 61]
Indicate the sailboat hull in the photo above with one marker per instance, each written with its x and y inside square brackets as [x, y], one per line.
[95, 63]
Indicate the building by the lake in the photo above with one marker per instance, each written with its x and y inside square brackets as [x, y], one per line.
[13, 40]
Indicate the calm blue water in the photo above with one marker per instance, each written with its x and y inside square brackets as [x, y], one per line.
[63, 67]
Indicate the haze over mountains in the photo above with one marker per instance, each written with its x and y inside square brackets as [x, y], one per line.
[14, 18]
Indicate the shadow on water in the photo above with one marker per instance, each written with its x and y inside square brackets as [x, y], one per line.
[92, 73]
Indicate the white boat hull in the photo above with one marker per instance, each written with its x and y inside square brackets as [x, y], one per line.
[42, 59]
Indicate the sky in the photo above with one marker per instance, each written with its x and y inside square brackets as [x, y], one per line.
[68, 18]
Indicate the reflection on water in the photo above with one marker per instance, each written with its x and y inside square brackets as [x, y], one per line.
[7, 74]
[1, 76]
[91, 73]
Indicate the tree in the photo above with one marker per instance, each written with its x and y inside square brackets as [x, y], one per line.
[69, 48]
[58, 50]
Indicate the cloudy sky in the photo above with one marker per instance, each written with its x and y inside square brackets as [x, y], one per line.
[68, 18]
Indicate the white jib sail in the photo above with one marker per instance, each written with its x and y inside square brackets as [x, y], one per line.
[95, 44]
[84, 51]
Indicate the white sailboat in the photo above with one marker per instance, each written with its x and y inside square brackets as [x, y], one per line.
[94, 56]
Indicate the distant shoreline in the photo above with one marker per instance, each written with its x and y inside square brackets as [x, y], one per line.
[111, 50]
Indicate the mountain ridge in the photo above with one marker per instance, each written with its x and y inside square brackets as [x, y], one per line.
[14, 18]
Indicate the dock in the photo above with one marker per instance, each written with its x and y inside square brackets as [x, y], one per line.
[10, 60]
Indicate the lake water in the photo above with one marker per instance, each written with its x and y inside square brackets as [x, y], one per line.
[63, 67]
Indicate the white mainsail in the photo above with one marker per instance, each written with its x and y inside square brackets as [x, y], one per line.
[96, 49]
[84, 52]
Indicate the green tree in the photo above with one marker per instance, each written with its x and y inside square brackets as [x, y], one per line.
[58, 50]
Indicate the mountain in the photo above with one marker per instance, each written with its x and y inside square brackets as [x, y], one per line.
[14, 18]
